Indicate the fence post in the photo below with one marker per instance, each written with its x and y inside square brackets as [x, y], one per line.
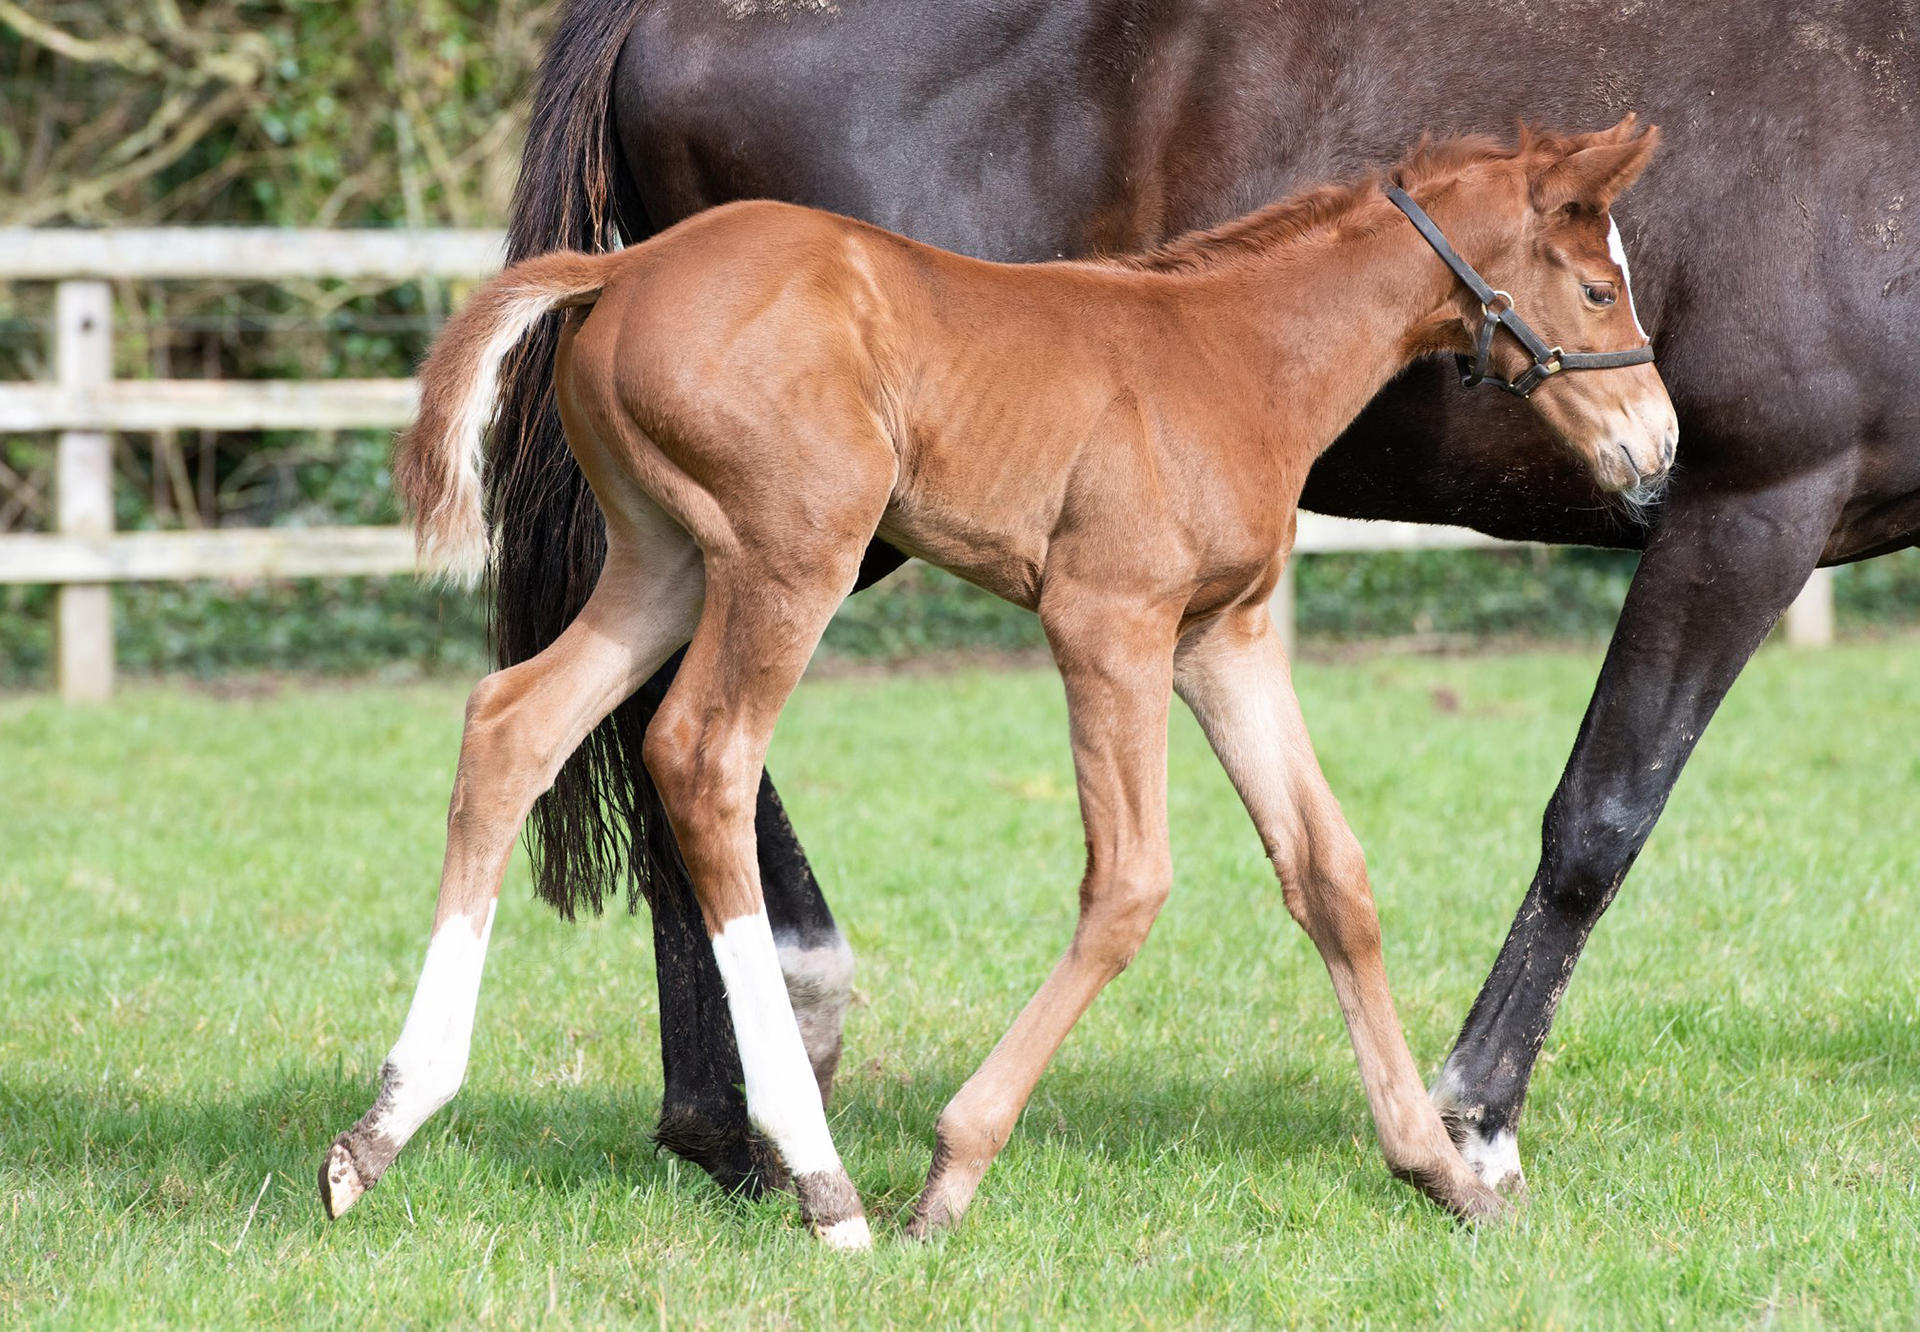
[1280, 605]
[83, 491]
[1810, 617]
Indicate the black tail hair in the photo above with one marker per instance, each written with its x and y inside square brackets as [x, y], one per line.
[602, 820]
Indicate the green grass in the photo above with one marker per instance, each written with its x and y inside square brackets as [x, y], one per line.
[215, 907]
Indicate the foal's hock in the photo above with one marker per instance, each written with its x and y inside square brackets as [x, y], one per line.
[1118, 445]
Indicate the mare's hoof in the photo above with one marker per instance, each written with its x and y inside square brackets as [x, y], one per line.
[739, 1161]
[340, 1183]
[1495, 1160]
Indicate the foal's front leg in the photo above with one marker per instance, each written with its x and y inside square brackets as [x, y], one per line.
[1116, 663]
[1233, 674]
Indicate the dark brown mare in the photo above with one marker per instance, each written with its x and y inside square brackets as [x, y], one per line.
[1778, 272]
[1118, 445]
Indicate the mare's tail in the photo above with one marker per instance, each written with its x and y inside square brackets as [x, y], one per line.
[600, 830]
[437, 460]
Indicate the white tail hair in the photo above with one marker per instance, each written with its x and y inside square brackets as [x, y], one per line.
[437, 460]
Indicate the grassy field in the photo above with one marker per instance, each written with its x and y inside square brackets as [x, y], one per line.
[215, 907]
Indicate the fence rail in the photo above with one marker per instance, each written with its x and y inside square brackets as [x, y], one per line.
[84, 556]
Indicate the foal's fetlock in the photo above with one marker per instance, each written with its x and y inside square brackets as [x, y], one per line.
[1449, 1183]
[830, 1206]
[960, 1160]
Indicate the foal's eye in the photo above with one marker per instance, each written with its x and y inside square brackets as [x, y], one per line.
[1600, 293]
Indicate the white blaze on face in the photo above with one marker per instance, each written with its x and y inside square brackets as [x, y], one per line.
[783, 1100]
[1618, 253]
[429, 1060]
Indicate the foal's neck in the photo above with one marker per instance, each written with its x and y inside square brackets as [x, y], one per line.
[1337, 307]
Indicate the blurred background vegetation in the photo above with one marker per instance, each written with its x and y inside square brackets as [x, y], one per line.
[300, 112]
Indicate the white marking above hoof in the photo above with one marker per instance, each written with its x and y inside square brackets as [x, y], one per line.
[851, 1234]
[783, 1094]
[340, 1186]
[819, 986]
[1496, 1160]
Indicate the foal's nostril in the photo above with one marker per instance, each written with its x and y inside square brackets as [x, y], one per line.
[1668, 446]
[1626, 454]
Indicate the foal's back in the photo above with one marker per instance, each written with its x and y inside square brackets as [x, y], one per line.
[1027, 414]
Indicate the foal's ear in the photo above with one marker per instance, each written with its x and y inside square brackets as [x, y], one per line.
[1596, 168]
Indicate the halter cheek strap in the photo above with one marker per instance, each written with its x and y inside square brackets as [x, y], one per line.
[1496, 313]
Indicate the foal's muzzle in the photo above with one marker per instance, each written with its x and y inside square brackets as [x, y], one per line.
[1638, 444]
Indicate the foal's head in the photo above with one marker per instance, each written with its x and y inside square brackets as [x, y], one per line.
[1536, 222]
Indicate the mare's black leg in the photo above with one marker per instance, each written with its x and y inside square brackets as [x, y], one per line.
[1717, 573]
[703, 1112]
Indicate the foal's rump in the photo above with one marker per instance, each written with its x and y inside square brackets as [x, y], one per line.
[763, 298]
[437, 460]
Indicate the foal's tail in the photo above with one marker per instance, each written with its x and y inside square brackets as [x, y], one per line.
[437, 460]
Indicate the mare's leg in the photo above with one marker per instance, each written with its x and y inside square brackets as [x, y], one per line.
[1716, 575]
[705, 751]
[1116, 662]
[1233, 674]
[521, 724]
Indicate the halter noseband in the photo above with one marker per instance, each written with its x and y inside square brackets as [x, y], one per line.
[1496, 310]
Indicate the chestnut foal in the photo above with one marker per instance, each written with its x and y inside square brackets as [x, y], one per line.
[1118, 445]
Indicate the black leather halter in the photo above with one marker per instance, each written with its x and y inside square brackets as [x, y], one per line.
[1496, 311]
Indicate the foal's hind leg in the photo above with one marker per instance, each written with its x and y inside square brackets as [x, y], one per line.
[706, 750]
[1115, 663]
[1233, 674]
[522, 722]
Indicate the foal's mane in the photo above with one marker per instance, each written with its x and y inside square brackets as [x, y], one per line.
[1327, 206]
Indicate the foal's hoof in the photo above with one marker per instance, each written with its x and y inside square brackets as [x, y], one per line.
[340, 1183]
[926, 1222]
[851, 1235]
[1458, 1190]
[939, 1208]
[1481, 1203]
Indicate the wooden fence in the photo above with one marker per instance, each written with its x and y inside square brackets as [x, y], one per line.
[84, 556]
